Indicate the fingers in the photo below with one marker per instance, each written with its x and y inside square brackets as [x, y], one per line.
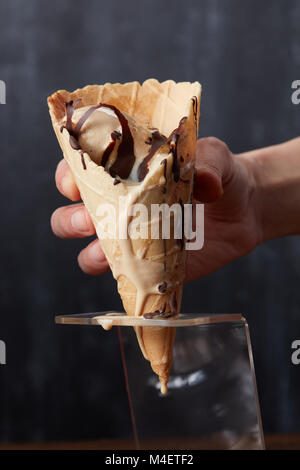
[72, 222]
[92, 259]
[214, 164]
[65, 182]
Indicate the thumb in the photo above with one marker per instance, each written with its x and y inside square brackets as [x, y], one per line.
[213, 168]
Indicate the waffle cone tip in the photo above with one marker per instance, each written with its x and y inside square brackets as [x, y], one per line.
[163, 385]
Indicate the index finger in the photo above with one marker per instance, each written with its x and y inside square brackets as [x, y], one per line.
[65, 182]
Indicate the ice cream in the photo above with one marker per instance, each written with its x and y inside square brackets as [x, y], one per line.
[126, 145]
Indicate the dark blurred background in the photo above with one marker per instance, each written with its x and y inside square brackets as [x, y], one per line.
[67, 382]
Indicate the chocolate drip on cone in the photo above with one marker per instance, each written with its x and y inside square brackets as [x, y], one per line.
[123, 149]
[73, 137]
[195, 110]
[114, 135]
[157, 140]
[83, 160]
[182, 224]
[162, 288]
[125, 158]
[173, 139]
[164, 163]
[173, 150]
[70, 107]
[159, 313]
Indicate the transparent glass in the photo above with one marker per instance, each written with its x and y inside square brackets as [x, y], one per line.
[212, 401]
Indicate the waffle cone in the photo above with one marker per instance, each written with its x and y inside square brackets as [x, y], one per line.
[154, 105]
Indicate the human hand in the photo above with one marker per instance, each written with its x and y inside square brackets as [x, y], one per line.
[249, 198]
[223, 181]
[226, 183]
[73, 221]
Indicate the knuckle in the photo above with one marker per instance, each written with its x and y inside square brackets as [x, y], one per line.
[215, 155]
[214, 143]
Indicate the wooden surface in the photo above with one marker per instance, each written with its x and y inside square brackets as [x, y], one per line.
[273, 442]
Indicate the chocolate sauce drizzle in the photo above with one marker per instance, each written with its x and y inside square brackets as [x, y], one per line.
[173, 150]
[162, 288]
[70, 107]
[156, 313]
[83, 160]
[107, 152]
[162, 311]
[74, 142]
[159, 313]
[173, 139]
[115, 135]
[125, 160]
[195, 110]
[125, 157]
[157, 140]
[182, 224]
[164, 162]
[74, 132]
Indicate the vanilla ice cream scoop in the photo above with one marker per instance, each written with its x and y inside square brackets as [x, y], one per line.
[112, 139]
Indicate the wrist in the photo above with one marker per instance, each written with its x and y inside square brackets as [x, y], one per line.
[276, 173]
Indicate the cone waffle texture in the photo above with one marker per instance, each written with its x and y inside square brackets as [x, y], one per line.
[152, 105]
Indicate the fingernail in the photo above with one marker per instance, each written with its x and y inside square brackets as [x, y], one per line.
[78, 221]
[95, 253]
